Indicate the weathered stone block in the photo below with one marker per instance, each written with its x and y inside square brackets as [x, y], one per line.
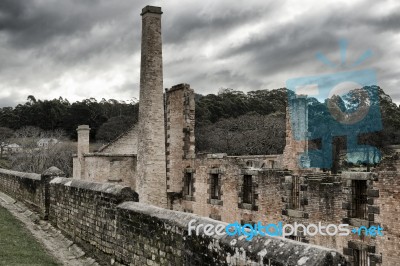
[373, 193]
[216, 156]
[358, 222]
[295, 213]
[373, 209]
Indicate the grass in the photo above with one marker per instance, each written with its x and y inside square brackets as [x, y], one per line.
[17, 244]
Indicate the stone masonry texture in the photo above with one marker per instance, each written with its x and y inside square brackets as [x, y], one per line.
[107, 222]
[83, 147]
[180, 119]
[29, 188]
[124, 144]
[151, 167]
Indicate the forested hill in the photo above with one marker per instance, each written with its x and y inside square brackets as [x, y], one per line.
[231, 121]
[61, 114]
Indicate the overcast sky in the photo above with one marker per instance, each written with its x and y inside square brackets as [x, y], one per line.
[79, 49]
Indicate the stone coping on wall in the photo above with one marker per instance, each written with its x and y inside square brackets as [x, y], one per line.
[255, 156]
[358, 175]
[178, 87]
[107, 155]
[20, 174]
[110, 155]
[106, 188]
[278, 249]
[224, 155]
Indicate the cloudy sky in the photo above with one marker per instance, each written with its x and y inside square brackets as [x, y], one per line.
[79, 49]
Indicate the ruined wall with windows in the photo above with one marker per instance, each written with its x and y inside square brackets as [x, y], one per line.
[249, 189]
[244, 189]
[384, 208]
[230, 188]
[180, 139]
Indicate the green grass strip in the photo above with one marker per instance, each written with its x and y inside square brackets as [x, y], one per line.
[17, 244]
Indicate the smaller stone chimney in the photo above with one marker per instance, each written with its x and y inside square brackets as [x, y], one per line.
[83, 147]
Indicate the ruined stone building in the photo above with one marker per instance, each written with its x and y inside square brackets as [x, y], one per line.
[157, 159]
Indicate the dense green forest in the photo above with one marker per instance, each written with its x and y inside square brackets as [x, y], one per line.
[61, 114]
[230, 121]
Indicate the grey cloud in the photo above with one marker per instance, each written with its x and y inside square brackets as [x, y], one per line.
[31, 23]
[8, 101]
[185, 26]
[42, 40]
[389, 23]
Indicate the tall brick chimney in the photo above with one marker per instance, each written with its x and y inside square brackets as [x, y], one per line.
[151, 166]
[83, 147]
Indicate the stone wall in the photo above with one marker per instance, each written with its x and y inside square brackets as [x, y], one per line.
[30, 188]
[107, 222]
[95, 216]
[25, 187]
[108, 167]
[161, 238]
[180, 139]
[320, 200]
[231, 170]
[303, 197]
[86, 212]
[385, 209]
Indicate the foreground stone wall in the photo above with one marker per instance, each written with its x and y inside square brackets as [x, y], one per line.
[322, 197]
[30, 188]
[26, 187]
[94, 215]
[163, 237]
[86, 212]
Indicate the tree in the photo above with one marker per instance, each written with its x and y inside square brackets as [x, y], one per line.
[250, 134]
[114, 127]
[36, 159]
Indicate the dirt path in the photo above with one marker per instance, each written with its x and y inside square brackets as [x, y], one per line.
[61, 248]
